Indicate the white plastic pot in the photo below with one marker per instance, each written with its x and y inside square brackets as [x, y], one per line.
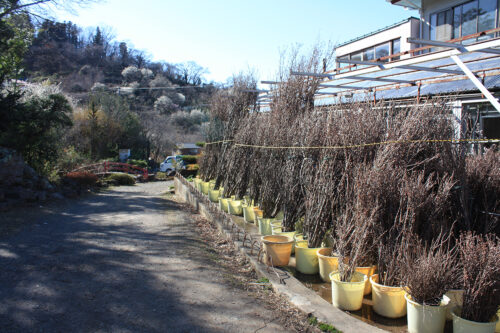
[461, 325]
[348, 295]
[426, 318]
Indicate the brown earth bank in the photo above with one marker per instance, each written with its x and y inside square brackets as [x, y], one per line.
[130, 259]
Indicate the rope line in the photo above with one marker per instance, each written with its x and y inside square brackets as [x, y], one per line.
[361, 145]
[216, 142]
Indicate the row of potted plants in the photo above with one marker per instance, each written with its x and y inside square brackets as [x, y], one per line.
[426, 306]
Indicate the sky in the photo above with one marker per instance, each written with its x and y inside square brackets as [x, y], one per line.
[228, 37]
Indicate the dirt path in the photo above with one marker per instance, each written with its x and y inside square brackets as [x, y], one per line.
[128, 260]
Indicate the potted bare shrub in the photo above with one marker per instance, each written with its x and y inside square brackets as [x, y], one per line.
[352, 242]
[481, 283]
[430, 271]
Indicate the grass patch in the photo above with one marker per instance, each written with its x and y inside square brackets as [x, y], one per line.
[313, 321]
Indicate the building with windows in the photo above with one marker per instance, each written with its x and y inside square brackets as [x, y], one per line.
[452, 50]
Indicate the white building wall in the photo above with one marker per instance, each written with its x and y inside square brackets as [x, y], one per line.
[403, 31]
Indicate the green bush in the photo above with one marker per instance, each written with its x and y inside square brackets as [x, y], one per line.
[190, 159]
[122, 178]
[139, 163]
[161, 176]
[200, 144]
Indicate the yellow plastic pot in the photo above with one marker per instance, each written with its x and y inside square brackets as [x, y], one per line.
[213, 195]
[265, 226]
[258, 212]
[289, 234]
[456, 297]
[426, 318]
[280, 216]
[387, 301]
[277, 249]
[368, 271]
[298, 237]
[348, 295]
[248, 213]
[235, 207]
[306, 259]
[223, 204]
[327, 263]
[461, 325]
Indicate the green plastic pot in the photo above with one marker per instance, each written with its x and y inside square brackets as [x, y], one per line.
[248, 213]
[265, 226]
[213, 195]
[235, 207]
[306, 259]
[223, 204]
[348, 295]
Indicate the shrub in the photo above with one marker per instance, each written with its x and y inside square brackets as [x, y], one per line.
[139, 163]
[82, 178]
[200, 144]
[161, 176]
[122, 178]
[190, 159]
[481, 274]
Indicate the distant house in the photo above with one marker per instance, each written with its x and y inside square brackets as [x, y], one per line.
[187, 149]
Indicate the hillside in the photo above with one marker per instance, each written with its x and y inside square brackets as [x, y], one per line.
[166, 102]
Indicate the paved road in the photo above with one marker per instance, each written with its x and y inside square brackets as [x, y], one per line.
[128, 260]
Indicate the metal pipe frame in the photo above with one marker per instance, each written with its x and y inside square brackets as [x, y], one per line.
[412, 67]
[458, 46]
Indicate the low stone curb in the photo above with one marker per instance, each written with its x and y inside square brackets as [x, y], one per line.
[296, 293]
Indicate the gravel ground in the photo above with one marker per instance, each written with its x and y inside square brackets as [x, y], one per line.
[130, 259]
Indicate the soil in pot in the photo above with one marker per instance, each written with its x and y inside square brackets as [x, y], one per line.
[388, 301]
[426, 318]
[277, 249]
[461, 325]
[348, 295]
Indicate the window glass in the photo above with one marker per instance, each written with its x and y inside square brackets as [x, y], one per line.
[486, 16]
[433, 26]
[368, 54]
[457, 21]
[469, 18]
[396, 48]
[356, 56]
[383, 51]
[444, 27]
